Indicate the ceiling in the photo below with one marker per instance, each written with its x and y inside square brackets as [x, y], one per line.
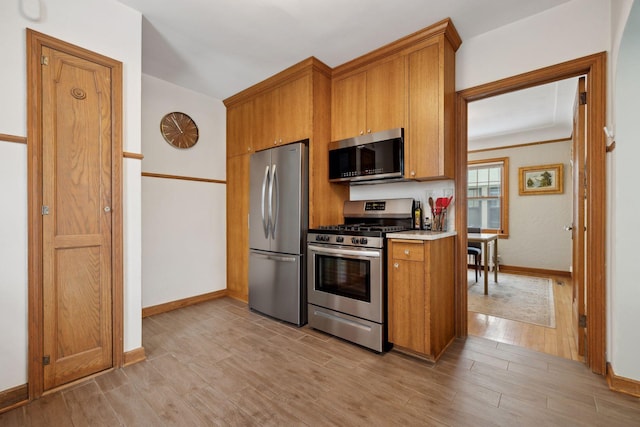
[220, 47]
[540, 113]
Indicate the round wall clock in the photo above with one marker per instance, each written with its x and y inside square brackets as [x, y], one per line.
[179, 130]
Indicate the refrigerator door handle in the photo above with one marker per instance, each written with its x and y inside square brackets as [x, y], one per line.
[275, 257]
[274, 192]
[265, 223]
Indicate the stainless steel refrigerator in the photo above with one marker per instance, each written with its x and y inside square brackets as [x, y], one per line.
[278, 223]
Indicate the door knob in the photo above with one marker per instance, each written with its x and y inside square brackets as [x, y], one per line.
[107, 209]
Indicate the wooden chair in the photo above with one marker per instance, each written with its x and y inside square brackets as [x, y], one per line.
[475, 249]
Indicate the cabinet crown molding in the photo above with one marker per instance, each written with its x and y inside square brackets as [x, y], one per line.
[412, 41]
[296, 70]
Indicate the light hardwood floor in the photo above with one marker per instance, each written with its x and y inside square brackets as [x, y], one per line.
[558, 341]
[217, 363]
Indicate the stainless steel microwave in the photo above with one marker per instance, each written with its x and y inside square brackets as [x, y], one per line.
[375, 156]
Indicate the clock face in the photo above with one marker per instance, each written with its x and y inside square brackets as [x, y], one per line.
[179, 130]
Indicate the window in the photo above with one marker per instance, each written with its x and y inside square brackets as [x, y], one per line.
[488, 195]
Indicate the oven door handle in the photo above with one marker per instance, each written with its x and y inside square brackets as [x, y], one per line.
[341, 251]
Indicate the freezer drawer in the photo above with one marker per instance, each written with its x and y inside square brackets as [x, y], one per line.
[276, 286]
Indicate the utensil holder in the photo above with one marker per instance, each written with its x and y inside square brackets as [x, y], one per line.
[439, 222]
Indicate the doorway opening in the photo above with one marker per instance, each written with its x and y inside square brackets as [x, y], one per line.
[594, 68]
[509, 136]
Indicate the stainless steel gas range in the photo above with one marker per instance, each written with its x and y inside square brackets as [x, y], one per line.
[347, 271]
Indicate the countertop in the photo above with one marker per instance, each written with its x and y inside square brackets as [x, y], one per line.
[421, 235]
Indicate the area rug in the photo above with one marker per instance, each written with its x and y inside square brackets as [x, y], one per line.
[522, 298]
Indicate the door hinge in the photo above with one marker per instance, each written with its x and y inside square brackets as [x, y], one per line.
[583, 98]
[46, 360]
[582, 321]
[45, 210]
[44, 60]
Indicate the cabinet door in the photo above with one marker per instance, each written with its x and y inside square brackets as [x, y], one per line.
[429, 144]
[423, 136]
[237, 226]
[239, 129]
[406, 302]
[294, 111]
[348, 113]
[386, 96]
[265, 120]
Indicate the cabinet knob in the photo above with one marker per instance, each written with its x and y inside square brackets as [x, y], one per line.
[275, 142]
[368, 130]
[413, 173]
[396, 265]
[406, 251]
[361, 132]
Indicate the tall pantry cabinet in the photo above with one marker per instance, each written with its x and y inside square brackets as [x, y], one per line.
[290, 106]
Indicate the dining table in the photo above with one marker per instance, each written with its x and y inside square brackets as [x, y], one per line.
[485, 239]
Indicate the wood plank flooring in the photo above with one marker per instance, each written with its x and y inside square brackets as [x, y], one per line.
[558, 341]
[219, 364]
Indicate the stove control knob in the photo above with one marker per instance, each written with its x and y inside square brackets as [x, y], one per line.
[339, 239]
[363, 241]
[355, 240]
[318, 238]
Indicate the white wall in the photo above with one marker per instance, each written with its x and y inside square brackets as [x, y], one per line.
[624, 335]
[183, 222]
[108, 28]
[536, 236]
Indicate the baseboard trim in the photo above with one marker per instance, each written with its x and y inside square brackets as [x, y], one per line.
[174, 305]
[134, 356]
[533, 271]
[14, 397]
[622, 384]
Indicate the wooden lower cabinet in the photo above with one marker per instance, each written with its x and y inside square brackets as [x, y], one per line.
[421, 295]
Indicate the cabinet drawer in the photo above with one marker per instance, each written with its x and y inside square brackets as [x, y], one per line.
[408, 251]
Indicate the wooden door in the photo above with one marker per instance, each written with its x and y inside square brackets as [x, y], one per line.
[386, 96]
[76, 222]
[578, 225]
[264, 120]
[348, 108]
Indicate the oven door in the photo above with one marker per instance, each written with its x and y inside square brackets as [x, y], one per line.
[348, 280]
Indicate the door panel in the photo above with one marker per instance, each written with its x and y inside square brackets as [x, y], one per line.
[578, 226]
[76, 165]
[259, 180]
[289, 185]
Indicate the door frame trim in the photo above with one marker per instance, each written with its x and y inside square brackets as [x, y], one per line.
[35, 43]
[594, 67]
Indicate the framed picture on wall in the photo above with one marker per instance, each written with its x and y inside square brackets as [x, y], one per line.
[542, 179]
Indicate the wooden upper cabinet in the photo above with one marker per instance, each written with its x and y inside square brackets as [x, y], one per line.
[349, 100]
[370, 101]
[283, 115]
[294, 110]
[386, 96]
[239, 130]
[429, 137]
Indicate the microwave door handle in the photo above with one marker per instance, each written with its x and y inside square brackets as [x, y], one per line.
[275, 204]
[265, 220]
